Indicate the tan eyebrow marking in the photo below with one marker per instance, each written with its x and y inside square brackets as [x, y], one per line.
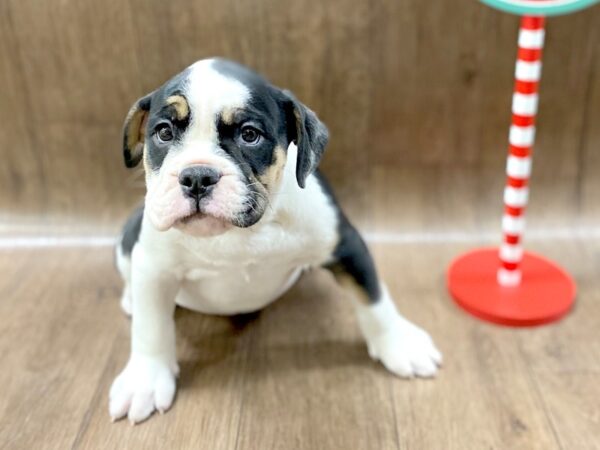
[181, 106]
[227, 115]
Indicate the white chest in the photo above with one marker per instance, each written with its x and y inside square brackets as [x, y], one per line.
[249, 273]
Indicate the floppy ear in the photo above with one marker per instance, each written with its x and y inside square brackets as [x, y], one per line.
[134, 131]
[309, 134]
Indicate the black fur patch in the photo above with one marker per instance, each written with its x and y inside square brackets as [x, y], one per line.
[131, 231]
[351, 255]
[309, 134]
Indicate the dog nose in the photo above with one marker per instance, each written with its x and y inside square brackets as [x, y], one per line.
[198, 181]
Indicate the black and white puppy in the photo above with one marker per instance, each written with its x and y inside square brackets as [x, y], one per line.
[234, 211]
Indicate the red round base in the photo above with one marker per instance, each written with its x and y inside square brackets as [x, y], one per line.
[546, 292]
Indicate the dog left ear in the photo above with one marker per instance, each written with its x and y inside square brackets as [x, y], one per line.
[309, 134]
[134, 131]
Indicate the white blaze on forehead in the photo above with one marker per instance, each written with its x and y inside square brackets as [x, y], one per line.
[209, 93]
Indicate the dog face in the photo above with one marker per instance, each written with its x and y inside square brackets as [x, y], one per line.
[214, 142]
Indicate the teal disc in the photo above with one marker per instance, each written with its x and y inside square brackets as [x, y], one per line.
[540, 7]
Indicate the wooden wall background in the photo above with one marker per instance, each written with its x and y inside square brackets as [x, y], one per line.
[416, 95]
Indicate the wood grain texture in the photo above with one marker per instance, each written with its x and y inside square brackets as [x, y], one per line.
[296, 376]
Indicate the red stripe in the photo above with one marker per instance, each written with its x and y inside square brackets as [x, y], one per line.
[519, 151]
[512, 239]
[526, 87]
[512, 211]
[510, 265]
[516, 182]
[522, 121]
[529, 54]
[532, 23]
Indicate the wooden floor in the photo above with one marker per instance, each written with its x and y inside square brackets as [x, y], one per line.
[297, 376]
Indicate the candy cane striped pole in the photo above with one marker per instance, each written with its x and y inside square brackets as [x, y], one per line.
[521, 138]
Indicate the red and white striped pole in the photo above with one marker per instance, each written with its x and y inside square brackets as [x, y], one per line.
[521, 139]
[508, 285]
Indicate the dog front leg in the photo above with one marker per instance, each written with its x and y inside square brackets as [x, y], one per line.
[147, 382]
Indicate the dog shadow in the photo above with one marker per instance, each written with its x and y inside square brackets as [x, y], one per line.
[310, 328]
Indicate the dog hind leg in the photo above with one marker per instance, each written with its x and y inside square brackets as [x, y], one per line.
[129, 237]
[402, 347]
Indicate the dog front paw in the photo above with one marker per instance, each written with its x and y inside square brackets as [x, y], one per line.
[146, 384]
[406, 350]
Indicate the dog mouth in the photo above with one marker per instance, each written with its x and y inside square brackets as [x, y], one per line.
[197, 215]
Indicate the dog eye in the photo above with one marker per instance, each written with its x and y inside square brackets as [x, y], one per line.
[164, 133]
[250, 135]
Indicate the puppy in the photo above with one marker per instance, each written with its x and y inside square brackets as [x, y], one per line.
[235, 209]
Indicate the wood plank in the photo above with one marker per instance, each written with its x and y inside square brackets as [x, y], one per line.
[68, 103]
[589, 213]
[55, 337]
[572, 402]
[568, 62]
[20, 162]
[298, 376]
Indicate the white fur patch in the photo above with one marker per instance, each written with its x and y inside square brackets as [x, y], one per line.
[402, 347]
[146, 384]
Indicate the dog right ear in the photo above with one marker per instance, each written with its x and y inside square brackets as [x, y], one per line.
[134, 131]
[309, 134]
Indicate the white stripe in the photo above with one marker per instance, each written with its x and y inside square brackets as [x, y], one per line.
[521, 136]
[417, 237]
[516, 197]
[483, 237]
[512, 224]
[517, 167]
[511, 253]
[528, 70]
[508, 278]
[524, 104]
[459, 236]
[531, 38]
[56, 241]
[373, 237]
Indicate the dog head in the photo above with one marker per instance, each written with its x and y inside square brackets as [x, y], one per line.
[214, 141]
